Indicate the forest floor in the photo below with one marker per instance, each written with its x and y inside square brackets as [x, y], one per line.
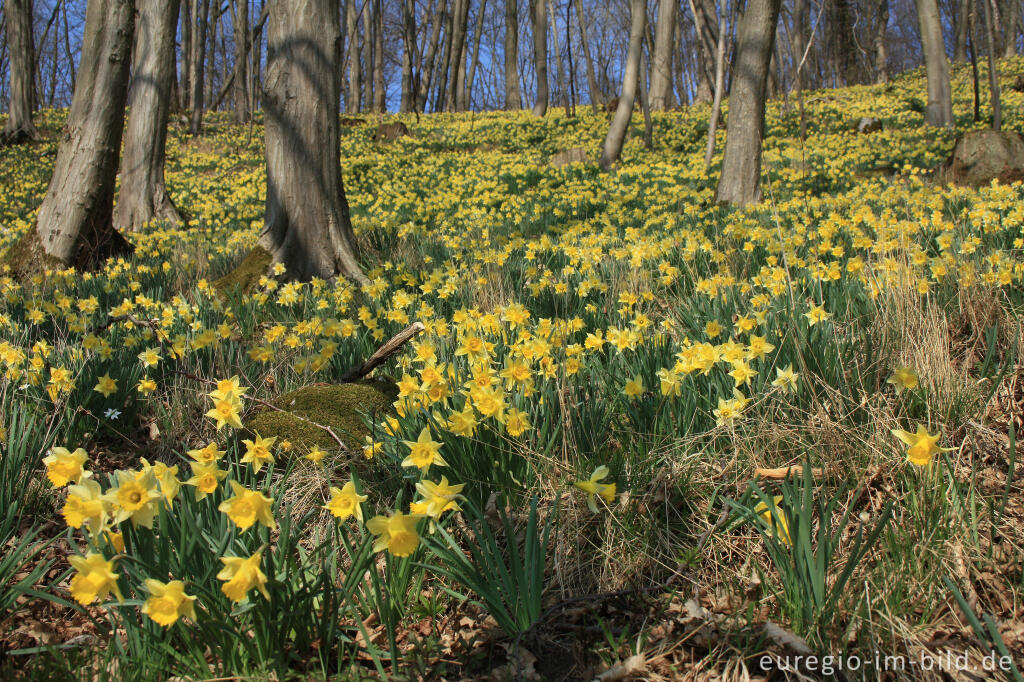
[641, 434]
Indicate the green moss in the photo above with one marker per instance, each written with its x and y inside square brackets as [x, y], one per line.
[335, 405]
[247, 275]
[27, 259]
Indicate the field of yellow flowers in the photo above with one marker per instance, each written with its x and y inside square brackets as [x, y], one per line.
[639, 434]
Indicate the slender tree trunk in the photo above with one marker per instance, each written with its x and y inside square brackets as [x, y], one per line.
[631, 76]
[539, 16]
[67, 47]
[307, 228]
[352, 23]
[595, 94]
[408, 102]
[716, 105]
[740, 181]
[661, 60]
[185, 60]
[645, 102]
[446, 57]
[560, 71]
[993, 79]
[200, 19]
[457, 67]
[19, 127]
[367, 72]
[960, 22]
[74, 223]
[568, 54]
[939, 111]
[212, 31]
[475, 60]
[430, 57]
[972, 46]
[704, 21]
[242, 79]
[143, 195]
[380, 93]
[513, 100]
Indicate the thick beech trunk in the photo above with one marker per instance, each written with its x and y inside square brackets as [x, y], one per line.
[740, 181]
[960, 25]
[456, 60]
[143, 196]
[74, 224]
[624, 113]
[539, 17]
[1011, 22]
[19, 127]
[307, 226]
[661, 60]
[513, 100]
[939, 111]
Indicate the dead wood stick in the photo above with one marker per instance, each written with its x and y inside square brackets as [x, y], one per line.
[390, 347]
[783, 472]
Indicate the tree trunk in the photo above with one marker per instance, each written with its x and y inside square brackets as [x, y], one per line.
[661, 60]
[960, 22]
[704, 21]
[939, 111]
[560, 70]
[513, 100]
[242, 79]
[367, 71]
[74, 223]
[200, 20]
[624, 113]
[185, 60]
[716, 105]
[408, 102]
[539, 16]
[143, 196]
[352, 23]
[993, 79]
[475, 60]
[457, 58]
[1011, 20]
[881, 56]
[380, 93]
[645, 103]
[595, 94]
[740, 181]
[431, 55]
[307, 228]
[445, 61]
[19, 127]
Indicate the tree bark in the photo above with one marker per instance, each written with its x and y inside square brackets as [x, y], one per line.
[242, 79]
[624, 113]
[456, 57]
[307, 226]
[704, 21]
[408, 102]
[185, 60]
[143, 195]
[939, 111]
[560, 70]
[19, 127]
[200, 21]
[380, 93]
[74, 224]
[960, 23]
[993, 79]
[513, 100]
[716, 105]
[740, 181]
[539, 16]
[475, 59]
[430, 57]
[595, 93]
[661, 60]
[367, 66]
[881, 55]
[1010, 20]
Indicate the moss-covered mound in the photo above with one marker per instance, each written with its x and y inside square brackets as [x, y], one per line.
[247, 275]
[338, 406]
